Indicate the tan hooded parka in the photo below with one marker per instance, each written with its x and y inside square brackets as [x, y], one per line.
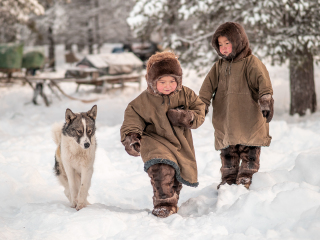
[146, 115]
[235, 84]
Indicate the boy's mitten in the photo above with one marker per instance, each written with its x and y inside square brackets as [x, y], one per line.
[180, 117]
[132, 144]
[266, 106]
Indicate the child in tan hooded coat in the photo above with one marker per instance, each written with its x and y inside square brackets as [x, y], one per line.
[157, 126]
[241, 92]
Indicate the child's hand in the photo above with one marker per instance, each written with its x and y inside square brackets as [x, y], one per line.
[132, 144]
[180, 117]
[266, 106]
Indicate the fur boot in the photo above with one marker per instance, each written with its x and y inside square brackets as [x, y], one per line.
[230, 165]
[166, 190]
[250, 157]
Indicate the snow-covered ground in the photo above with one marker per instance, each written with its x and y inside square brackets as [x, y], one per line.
[283, 202]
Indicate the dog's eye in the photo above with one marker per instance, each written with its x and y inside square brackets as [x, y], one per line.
[89, 131]
[79, 131]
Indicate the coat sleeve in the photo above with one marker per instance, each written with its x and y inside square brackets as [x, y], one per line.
[258, 77]
[197, 107]
[209, 85]
[132, 123]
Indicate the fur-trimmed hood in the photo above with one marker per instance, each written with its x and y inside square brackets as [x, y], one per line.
[236, 34]
[161, 65]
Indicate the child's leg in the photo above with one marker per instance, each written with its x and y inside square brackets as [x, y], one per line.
[230, 165]
[166, 189]
[250, 157]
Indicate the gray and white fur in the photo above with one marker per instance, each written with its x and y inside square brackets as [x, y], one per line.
[75, 154]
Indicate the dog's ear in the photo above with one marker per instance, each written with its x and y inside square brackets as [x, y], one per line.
[69, 116]
[93, 112]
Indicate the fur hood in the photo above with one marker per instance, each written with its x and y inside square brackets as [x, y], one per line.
[238, 38]
[160, 65]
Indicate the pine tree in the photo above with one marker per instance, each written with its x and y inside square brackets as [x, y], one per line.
[14, 12]
[85, 22]
[281, 30]
[186, 28]
[289, 30]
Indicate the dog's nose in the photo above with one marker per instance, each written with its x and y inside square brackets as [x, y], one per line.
[86, 145]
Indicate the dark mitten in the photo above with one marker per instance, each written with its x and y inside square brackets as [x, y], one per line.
[132, 144]
[266, 106]
[180, 117]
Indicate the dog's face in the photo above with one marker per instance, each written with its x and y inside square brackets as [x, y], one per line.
[80, 126]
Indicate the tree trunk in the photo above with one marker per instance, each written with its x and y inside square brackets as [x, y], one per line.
[80, 47]
[90, 41]
[97, 27]
[68, 46]
[303, 95]
[51, 49]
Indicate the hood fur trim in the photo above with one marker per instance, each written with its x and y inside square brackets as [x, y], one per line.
[161, 65]
[238, 38]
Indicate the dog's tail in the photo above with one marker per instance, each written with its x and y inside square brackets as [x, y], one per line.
[56, 132]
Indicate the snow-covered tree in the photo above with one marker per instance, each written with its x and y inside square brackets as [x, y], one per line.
[85, 22]
[186, 26]
[283, 30]
[289, 29]
[14, 12]
[95, 22]
[47, 27]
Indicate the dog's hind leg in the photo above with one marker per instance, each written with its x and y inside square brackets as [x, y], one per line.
[64, 182]
[86, 175]
[61, 174]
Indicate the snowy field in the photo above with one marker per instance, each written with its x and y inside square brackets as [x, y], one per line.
[283, 202]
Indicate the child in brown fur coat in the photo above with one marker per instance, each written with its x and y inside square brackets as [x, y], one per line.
[241, 93]
[157, 126]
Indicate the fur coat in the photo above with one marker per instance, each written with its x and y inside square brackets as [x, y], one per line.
[234, 85]
[161, 142]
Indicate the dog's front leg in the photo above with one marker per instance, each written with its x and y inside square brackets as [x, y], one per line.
[86, 175]
[72, 184]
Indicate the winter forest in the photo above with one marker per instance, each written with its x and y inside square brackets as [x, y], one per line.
[73, 54]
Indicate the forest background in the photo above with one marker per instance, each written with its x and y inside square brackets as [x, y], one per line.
[280, 31]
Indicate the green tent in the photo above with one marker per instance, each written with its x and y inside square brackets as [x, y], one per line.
[11, 56]
[33, 59]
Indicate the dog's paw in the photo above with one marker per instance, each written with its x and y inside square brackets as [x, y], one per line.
[74, 203]
[80, 206]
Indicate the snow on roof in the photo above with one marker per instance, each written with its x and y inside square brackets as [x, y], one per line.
[125, 58]
[111, 59]
[83, 68]
[97, 60]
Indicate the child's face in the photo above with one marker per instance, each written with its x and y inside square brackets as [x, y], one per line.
[166, 85]
[225, 45]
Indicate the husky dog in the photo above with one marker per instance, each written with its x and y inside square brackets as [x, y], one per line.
[75, 154]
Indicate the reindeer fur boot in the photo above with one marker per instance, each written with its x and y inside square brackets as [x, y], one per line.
[166, 190]
[250, 157]
[230, 165]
